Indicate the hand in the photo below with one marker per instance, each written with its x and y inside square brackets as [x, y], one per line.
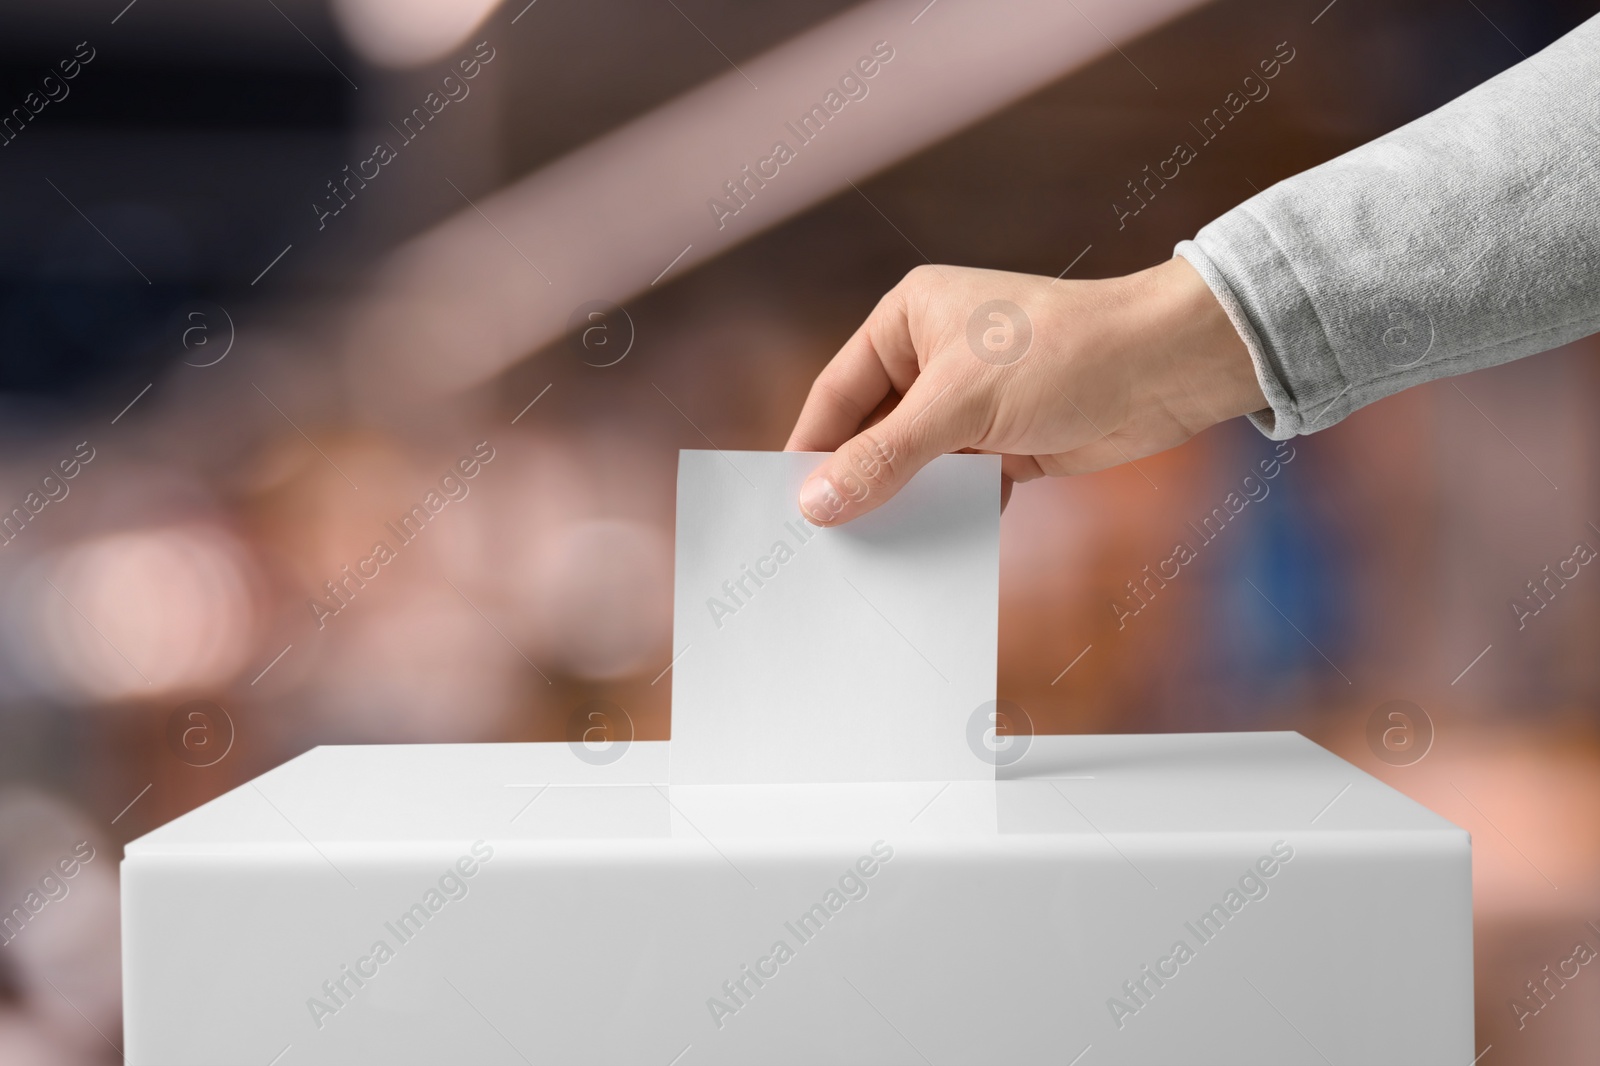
[1059, 377]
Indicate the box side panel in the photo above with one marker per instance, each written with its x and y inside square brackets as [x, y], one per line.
[1351, 949]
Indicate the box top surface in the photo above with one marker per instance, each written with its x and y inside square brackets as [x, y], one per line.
[388, 798]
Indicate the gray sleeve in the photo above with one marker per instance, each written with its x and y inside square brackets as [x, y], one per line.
[1465, 239]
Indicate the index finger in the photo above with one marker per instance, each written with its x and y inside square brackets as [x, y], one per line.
[857, 380]
[852, 384]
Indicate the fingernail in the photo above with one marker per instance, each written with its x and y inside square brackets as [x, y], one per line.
[819, 502]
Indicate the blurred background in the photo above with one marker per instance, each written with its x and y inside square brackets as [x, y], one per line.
[238, 344]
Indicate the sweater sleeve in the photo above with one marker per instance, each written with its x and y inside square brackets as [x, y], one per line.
[1465, 239]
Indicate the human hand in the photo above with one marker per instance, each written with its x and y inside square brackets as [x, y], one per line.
[1059, 377]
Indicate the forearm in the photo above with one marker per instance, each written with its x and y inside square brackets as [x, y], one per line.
[1465, 239]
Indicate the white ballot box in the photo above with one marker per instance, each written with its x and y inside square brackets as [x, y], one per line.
[1243, 898]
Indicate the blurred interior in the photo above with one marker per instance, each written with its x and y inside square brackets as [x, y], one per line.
[226, 485]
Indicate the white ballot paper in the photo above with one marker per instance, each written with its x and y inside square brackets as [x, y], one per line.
[857, 653]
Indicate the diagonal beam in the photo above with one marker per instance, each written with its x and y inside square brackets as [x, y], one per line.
[459, 304]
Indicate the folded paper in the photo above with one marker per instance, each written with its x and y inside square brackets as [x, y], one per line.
[860, 652]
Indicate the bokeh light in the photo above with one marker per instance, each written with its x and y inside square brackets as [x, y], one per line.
[137, 614]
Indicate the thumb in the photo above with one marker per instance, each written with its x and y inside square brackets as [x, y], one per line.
[876, 463]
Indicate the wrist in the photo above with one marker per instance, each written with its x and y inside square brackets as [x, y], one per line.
[1196, 365]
